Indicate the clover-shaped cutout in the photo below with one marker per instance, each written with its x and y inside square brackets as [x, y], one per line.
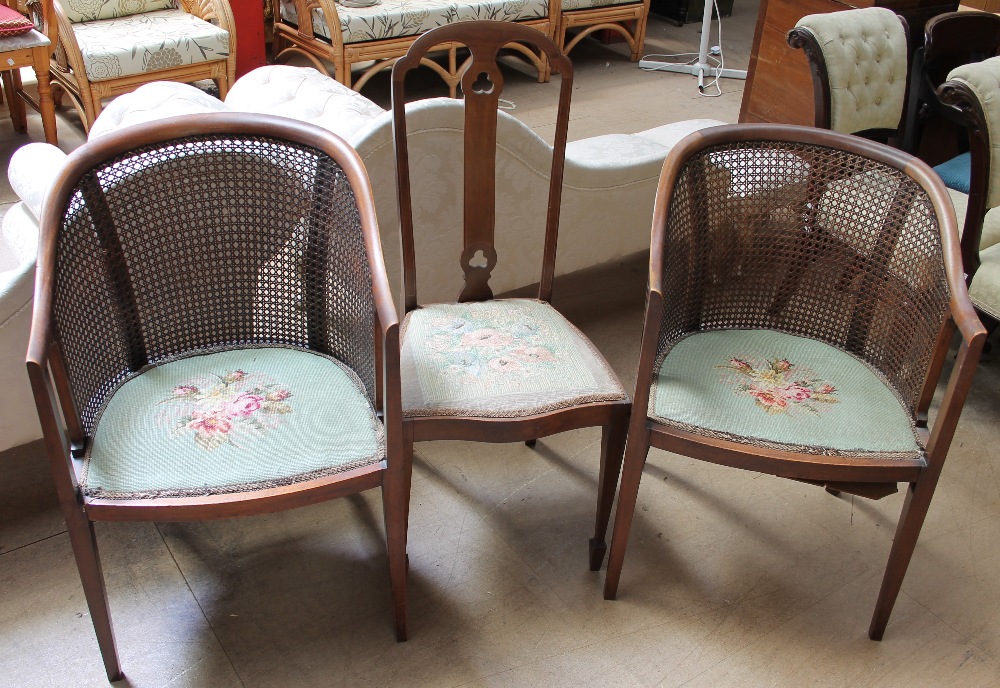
[478, 260]
[483, 84]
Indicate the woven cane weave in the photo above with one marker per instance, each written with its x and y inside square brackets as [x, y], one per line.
[779, 391]
[505, 358]
[853, 260]
[203, 243]
[231, 421]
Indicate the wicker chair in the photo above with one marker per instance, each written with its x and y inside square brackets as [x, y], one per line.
[213, 335]
[974, 90]
[804, 290]
[486, 369]
[104, 51]
[859, 63]
[628, 19]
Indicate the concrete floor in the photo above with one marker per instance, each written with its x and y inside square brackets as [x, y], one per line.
[731, 578]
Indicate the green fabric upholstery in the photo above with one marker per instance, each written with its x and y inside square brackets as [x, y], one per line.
[505, 358]
[231, 421]
[776, 390]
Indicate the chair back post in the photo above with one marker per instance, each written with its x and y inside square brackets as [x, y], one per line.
[482, 85]
[960, 95]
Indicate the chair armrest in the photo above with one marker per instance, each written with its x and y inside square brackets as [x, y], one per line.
[32, 172]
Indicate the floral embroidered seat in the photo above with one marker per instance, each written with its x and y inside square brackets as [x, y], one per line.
[779, 391]
[108, 48]
[498, 359]
[231, 421]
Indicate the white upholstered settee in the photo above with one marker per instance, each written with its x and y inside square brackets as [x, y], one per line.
[609, 181]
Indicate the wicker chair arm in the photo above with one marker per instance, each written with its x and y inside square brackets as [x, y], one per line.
[304, 18]
[68, 52]
[41, 12]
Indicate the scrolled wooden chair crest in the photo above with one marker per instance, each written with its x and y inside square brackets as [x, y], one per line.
[804, 340]
[487, 369]
[214, 336]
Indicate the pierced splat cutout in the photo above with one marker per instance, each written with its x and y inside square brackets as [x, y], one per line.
[483, 84]
[478, 261]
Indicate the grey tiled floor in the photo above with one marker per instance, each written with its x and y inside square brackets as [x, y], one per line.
[731, 578]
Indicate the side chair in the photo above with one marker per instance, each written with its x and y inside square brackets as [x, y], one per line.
[487, 369]
[214, 336]
[806, 339]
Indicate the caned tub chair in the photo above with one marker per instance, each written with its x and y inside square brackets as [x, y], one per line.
[382, 32]
[973, 181]
[109, 47]
[859, 64]
[490, 369]
[213, 334]
[804, 340]
[625, 17]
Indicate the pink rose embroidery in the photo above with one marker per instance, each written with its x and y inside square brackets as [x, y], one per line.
[779, 386]
[487, 337]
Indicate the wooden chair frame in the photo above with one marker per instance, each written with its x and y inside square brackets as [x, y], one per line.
[802, 39]
[36, 57]
[864, 476]
[485, 39]
[303, 41]
[63, 431]
[611, 18]
[69, 73]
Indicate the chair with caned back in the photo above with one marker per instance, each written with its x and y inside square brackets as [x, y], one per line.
[804, 339]
[859, 61]
[213, 334]
[489, 369]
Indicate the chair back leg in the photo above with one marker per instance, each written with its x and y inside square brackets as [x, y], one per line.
[612, 451]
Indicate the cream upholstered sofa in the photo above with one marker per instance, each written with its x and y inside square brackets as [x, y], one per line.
[609, 181]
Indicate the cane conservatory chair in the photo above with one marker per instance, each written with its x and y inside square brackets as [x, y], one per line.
[804, 340]
[859, 64]
[974, 90]
[213, 334]
[625, 17]
[488, 369]
[106, 49]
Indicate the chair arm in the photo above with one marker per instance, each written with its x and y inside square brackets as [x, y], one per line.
[43, 15]
[68, 53]
[32, 171]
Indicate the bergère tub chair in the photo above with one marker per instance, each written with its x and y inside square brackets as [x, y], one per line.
[974, 90]
[487, 369]
[859, 64]
[625, 17]
[109, 48]
[213, 334]
[382, 30]
[950, 40]
[804, 340]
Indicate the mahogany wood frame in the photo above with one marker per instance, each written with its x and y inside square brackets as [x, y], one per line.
[69, 74]
[800, 38]
[485, 39]
[950, 40]
[302, 40]
[836, 472]
[969, 111]
[61, 424]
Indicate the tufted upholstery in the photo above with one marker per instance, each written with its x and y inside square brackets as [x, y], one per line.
[983, 78]
[865, 52]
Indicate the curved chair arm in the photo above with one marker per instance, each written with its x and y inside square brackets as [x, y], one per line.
[219, 13]
[972, 90]
[304, 19]
[68, 55]
[804, 40]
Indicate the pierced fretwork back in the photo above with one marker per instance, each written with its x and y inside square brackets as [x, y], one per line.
[482, 85]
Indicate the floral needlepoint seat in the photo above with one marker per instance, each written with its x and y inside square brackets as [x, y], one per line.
[231, 421]
[779, 391]
[498, 359]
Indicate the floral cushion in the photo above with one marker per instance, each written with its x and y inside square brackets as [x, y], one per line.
[498, 359]
[396, 18]
[230, 421]
[776, 390]
[150, 42]
[91, 10]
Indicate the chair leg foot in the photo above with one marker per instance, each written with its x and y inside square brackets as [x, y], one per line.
[530, 443]
[635, 459]
[598, 548]
[835, 493]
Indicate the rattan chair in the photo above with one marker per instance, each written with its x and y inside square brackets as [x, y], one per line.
[213, 334]
[109, 48]
[859, 61]
[804, 290]
[486, 369]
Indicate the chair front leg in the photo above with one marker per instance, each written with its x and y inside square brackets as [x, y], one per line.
[635, 458]
[396, 508]
[612, 450]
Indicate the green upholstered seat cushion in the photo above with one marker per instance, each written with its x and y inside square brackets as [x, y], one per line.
[777, 390]
[505, 358]
[231, 421]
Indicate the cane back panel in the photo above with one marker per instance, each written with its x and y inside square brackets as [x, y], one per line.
[808, 240]
[206, 243]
